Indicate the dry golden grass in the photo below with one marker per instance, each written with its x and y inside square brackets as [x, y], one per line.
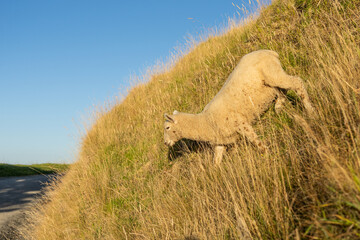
[306, 186]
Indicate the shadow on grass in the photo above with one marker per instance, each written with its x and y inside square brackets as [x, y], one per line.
[186, 146]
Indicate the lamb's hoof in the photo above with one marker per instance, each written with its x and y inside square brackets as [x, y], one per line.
[278, 110]
[311, 113]
[310, 110]
[262, 147]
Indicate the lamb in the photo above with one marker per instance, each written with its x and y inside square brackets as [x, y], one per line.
[247, 93]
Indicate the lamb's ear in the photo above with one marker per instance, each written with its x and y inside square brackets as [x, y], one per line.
[175, 112]
[169, 118]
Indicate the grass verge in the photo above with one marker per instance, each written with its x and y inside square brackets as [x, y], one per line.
[10, 170]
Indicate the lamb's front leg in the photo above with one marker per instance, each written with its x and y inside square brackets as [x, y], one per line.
[247, 130]
[279, 103]
[218, 153]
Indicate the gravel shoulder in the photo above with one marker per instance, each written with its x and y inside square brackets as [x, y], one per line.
[16, 196]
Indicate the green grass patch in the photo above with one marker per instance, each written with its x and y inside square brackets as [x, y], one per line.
[10, 170]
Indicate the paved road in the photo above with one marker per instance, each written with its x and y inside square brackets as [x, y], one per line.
[16, 193]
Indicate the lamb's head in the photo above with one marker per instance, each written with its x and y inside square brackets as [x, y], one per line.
[171, 131]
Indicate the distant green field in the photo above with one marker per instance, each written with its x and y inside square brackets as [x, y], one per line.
[9, 170]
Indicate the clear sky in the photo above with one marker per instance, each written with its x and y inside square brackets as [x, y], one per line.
[60, 58]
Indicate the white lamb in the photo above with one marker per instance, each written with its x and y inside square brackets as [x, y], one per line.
[246, 94]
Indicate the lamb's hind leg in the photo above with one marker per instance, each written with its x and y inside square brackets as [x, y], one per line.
[278, 78]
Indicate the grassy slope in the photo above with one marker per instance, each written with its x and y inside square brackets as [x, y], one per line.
[306, 186]
[9, 170]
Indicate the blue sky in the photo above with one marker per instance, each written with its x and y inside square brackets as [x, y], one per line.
[60, 59]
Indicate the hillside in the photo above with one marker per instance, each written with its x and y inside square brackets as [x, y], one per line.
[126, 183]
